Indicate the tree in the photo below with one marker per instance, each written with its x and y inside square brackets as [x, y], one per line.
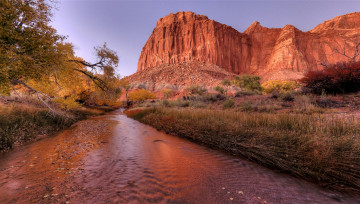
[28, 44]
[34, 56]
[226, 83]
[125, 84]
[220, 89]
[167, 93]
[250, 83]
[352, 58]
[141, 95]
[107, 61]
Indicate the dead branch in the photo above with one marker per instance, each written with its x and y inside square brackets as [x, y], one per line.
[343, 53]
[38, 93]
[324, 64]
[98, 82]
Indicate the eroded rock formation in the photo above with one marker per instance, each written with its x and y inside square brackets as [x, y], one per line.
[272, 53]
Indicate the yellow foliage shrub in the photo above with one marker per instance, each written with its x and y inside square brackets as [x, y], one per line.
[280, 86]
[141, 95]
[167, 93]
[67, 103]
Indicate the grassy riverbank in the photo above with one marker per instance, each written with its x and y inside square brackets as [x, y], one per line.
[23, 122]
[310, 146]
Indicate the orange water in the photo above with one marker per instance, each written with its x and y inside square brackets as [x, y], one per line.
[133, 163]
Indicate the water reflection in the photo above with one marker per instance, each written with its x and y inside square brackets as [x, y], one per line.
[112, 158]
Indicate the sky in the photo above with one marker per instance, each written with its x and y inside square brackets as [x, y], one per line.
[125, 25]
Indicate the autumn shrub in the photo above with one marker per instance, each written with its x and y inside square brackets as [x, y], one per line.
[196, 90]
[229, 103]
[141, 95]
[67, 103]
[340, 78]
[279, 86]
[167, 93]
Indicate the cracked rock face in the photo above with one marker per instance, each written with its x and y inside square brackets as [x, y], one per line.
[272, 53]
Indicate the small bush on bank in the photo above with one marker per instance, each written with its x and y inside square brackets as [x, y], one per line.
[287, 97]
[248, 82]
[219, 89]
[279, 86]
[196, 90]
[245, 93]
[165, 103]
[141, 95]
[229, 103]
[340, 78]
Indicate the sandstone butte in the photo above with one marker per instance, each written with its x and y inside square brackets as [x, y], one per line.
[189, 44]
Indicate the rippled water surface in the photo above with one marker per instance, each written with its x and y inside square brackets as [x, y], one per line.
[112, 158]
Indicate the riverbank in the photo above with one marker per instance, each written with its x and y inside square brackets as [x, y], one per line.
[24, 122]
[312, 147]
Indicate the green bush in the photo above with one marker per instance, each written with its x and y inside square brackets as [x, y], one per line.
[220, 89]
[229, 103]
[248, 82]
[196, 90]
[165, 103]
[245, 93]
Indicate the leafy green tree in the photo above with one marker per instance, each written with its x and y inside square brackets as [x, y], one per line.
[227, 84]
[28, 44]
[33, 55]
[220, 89]
[250, 83]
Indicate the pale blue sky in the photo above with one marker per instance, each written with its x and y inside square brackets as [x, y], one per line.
[127, 24]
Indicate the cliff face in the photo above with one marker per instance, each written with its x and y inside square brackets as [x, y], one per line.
[185, 37]
[272, 53]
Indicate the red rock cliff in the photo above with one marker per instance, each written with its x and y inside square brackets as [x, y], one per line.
[273, 53]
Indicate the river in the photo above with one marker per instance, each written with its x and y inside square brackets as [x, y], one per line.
[115, 159]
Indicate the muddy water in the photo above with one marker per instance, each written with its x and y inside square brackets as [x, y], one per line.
[114, 159]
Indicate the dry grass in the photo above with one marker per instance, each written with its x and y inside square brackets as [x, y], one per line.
[23, 120]
[311, 146]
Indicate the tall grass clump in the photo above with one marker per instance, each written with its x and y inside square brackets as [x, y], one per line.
[313, 147]
[19, 124]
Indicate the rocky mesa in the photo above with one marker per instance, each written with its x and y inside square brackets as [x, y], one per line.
[272, 53]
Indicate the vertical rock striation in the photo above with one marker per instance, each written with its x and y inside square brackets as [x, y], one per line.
[272, 53]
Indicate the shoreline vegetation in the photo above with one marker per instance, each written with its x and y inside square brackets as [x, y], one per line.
[25, 121]
[314, 147]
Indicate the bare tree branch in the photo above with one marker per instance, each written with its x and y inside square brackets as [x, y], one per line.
[98, 82]
[38, 93]
[352, 58]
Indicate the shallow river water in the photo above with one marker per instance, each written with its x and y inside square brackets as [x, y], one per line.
[114, 159]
